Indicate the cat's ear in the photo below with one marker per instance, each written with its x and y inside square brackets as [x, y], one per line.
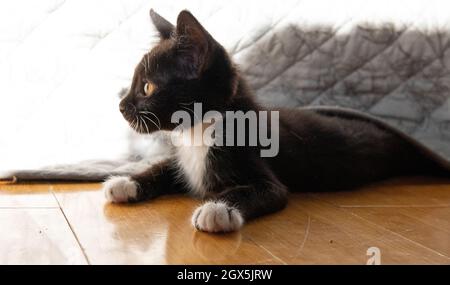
[164, 27]
[194, 43]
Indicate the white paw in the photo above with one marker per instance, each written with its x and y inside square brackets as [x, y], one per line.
[217, 217]
[120, 189]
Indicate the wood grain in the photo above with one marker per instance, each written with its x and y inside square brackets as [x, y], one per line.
[37, 236]
[26, 195]
[155, 232]
[407, 219]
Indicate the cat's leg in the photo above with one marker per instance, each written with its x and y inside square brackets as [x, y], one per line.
[234, 206]
[159, 179]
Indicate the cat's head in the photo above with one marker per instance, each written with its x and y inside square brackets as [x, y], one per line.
[186, 66]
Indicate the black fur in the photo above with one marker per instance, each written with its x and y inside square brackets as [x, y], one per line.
[319, 151]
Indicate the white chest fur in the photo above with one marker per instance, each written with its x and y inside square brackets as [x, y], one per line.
[192, 160]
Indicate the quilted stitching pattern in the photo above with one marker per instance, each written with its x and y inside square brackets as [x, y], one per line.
[394, 72]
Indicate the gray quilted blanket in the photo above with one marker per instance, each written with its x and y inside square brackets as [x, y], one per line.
[396, 73]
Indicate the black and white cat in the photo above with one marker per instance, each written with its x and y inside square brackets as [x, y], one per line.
[318, 150]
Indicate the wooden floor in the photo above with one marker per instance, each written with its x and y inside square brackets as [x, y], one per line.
[408, 220]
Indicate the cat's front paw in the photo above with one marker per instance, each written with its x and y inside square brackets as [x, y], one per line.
[120, 189]
[217, 217]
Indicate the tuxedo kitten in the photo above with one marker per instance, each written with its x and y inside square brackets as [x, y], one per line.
[318, 150]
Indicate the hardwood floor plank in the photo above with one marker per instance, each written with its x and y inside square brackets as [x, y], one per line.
[297, 237]
[415, 208]
[403, 221]
[37, 236]
[154, 232]
[406, 219]
[401, 192]
[437, 217]
[26, 195]
[313, 232]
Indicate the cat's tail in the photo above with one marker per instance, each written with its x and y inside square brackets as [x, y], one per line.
[418, 158]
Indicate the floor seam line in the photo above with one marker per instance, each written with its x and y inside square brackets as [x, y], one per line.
[71, 228]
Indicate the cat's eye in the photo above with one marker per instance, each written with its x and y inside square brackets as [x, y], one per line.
[149, 88]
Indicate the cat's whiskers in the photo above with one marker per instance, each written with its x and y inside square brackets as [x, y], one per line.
[154, 115]
[139, 124]
[145, 124]
[135, 123]
[153, 122]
